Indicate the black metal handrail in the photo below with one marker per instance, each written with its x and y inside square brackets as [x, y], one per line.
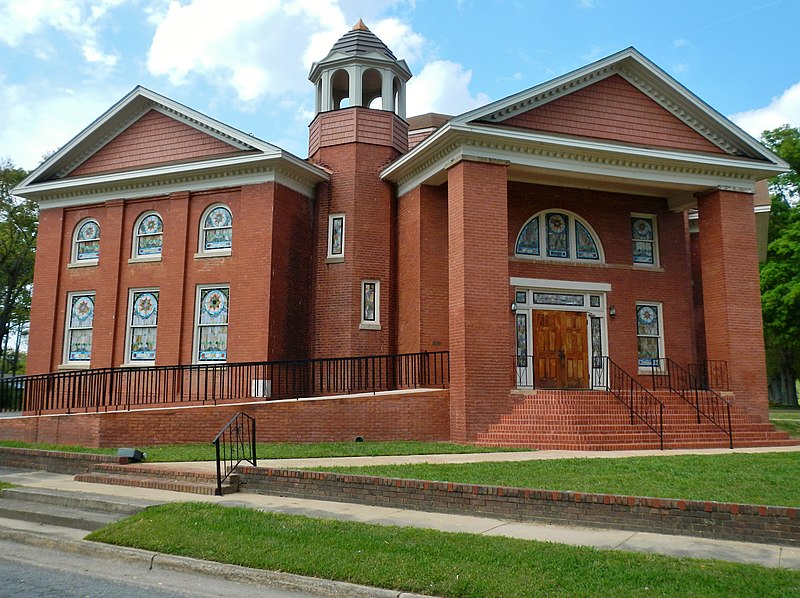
[236, 442]
[712, 373]
[11, 393]
[667, 374]
[640, 402]
[114, 389]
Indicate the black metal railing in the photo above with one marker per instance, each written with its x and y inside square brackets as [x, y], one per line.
[12, 389]
[712, 373]
[236, 442]
[523, 368]
[640, 402]
[114, 389]
[667, 374]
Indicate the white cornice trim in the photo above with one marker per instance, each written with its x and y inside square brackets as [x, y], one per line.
[455, 142]
[561, 285]
[213, 174]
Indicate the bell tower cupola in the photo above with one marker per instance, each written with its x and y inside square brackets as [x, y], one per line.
[360, 70]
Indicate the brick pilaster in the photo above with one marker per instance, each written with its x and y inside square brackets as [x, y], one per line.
[106, 352]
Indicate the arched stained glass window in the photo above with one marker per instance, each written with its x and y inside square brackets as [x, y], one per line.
[558, 235]
[217, 229]
[148, 235]
[86, 245]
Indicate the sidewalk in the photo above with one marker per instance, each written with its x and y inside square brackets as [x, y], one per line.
[679, 546]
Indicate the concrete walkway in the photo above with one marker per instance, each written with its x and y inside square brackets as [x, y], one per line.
[680, 546]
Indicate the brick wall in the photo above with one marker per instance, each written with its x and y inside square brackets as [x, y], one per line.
[259, 234]
[54, 461]
[408, 415]
[750, 523]
[614, 109]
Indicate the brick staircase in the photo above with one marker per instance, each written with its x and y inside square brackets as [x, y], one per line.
[596, 420]
[143, 476]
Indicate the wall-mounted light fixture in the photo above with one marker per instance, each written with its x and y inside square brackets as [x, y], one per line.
[612, 311]
[513, 307]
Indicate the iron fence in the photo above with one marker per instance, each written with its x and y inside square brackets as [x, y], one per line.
[640, 402]
[712, 373]
[113, 389]
[667, 374]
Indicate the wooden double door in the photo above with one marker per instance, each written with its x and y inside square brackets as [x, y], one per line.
[560, 349]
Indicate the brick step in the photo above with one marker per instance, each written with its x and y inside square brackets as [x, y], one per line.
[155, 472]
[230, 486]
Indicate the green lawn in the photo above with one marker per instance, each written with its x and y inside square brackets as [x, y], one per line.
[431, 562]
[786, 419]
[280, 450]
[766, 478]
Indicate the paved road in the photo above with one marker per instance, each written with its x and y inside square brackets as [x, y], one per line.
[36, 572]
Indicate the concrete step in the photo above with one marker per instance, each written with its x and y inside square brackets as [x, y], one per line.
[78, 500]
[56, 515]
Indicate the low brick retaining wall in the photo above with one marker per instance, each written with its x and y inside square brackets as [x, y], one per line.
[725, 521]
[54, 461]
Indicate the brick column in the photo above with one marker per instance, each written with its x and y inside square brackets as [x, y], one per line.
[44, 340]
[732, 294]
[171, 319]
[480, 317]
[105, 353]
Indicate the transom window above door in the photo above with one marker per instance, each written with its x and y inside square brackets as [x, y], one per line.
[558, 235]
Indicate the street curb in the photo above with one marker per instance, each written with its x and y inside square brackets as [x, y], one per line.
[168, 562]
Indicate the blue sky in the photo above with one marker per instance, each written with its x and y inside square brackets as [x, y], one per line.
[245, 62]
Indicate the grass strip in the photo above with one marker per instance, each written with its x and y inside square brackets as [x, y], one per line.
[429, 561]
[786, 419]
[757, 478]
[282, 450]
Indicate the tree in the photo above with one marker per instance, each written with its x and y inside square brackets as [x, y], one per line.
[780, 274]
[18, 225]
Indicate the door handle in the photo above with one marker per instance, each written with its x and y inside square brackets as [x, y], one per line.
[561, 354]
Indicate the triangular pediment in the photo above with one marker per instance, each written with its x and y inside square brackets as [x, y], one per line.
[614, 110]
[155, 139]
[621, 98]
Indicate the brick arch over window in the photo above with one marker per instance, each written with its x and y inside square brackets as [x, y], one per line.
[558, 234]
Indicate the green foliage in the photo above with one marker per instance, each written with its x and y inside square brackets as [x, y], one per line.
[780, 274]
[429, 561]
[18, 225]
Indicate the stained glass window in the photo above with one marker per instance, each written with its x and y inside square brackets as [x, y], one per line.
[369, 301]
[149, 235]
[212, 324]
[87, 241]
[648, 333]
[643, 232]
[558, 299]
[557, 235]
[143, 326]
[597, 342]
[585, 246]
[561, 235]
[80, 321]
[522, 340]
[217, 231]
[336, 235]
[528, 240]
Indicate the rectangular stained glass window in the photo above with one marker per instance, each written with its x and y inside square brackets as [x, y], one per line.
[80, 321]
[212, 324]
[143, 326]
[336, 235]
[522, 340]
[369, 301]
[558, 299]
[648, 335]
[643, 233]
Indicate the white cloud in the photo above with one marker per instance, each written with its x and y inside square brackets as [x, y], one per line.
[78, 19]
[35, 122]
[682, 43]
[442, 86]
[780, 111]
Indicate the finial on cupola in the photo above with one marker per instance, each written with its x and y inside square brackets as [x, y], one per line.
[360, 26]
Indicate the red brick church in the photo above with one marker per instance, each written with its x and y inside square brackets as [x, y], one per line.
[577, 262]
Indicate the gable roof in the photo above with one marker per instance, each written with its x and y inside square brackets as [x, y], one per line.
[483, 134]
[52, 178]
